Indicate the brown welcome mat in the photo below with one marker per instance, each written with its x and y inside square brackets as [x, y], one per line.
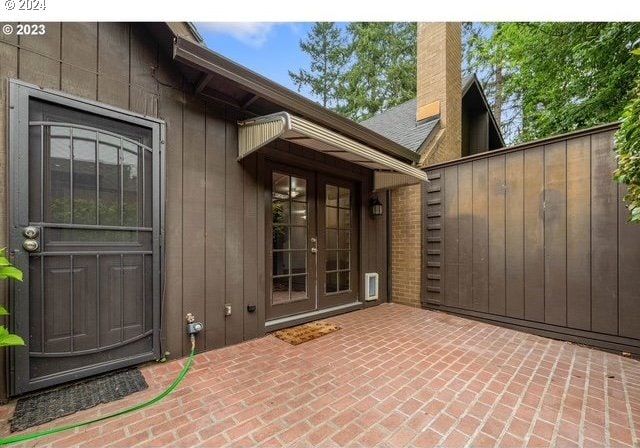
[307, 332]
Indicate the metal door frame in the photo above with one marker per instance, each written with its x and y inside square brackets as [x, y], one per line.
[18, 131]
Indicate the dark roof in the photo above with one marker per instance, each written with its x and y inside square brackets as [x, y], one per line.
[467, 81]
[399, 125]
[473, 81]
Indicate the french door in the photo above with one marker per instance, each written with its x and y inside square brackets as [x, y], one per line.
[312, 242]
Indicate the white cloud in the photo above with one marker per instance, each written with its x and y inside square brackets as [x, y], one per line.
[254, 34]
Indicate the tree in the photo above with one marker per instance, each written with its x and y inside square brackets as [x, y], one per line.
[485, 59]
[628, 150]
[382, 73]
[327, 48]
[562, 76]
[366, 70]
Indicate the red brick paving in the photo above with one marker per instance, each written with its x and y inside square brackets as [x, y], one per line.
[393, 376]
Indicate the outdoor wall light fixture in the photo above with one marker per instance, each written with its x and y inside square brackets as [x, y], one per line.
[375, 206]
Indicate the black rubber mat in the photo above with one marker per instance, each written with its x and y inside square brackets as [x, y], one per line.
[48, 405]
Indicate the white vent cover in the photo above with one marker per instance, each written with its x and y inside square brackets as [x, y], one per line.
[371, 281]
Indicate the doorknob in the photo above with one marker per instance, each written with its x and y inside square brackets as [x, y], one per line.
[314, 247]
[32, 234]
[30, 245]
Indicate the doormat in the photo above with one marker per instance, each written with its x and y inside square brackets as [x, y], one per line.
[307, 332]
[51, 404]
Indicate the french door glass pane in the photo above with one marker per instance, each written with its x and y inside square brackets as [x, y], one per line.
[280, 263]
[280, 237]
[344, 239]
[298, 189]
[343, 259]
[280, 290]
[343, 284]
[332, 282]
[298, 287]
[332, 239]
[299, 213]
[280, 212]
[332, 217]
[298, 262]
[345, 219]
[338, 236]
[280, 187]
[332, 196]
[332, 260]
[289, 211]
[345, 198]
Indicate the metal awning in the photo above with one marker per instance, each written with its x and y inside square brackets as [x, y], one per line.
[389, 172]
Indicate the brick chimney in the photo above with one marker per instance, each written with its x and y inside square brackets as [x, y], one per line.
[439, 95]
[439, 87]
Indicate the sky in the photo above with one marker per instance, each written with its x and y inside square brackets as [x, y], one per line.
[270, 49]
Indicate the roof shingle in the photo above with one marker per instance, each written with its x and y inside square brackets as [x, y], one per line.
[399, 125]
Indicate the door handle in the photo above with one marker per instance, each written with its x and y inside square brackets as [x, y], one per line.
[31, 232]
[314, 247]
[32, 241]
[30, 245]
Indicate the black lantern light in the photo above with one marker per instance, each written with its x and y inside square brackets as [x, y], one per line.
[375, 206]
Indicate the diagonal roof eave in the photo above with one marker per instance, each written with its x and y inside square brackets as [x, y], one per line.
[207, 61]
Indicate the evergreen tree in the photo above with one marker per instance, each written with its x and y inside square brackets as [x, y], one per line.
[365, 70]
[382, 71]
[327, 49]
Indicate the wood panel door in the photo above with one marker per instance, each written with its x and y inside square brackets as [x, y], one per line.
[86, 233]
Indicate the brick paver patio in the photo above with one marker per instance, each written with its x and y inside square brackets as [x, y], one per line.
[393, 376]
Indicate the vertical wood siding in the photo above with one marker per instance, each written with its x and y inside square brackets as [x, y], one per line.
[215, 206]
[537, 238]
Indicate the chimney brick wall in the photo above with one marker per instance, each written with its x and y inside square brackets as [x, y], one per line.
[439, 62]
[439, 90]
[405, 245]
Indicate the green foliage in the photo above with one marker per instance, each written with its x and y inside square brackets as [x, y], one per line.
[327, 49]
[84, 211]
[8, 271]
[8, 339]
[361, 70]
[382, 73]
[561, 76]
[628, 151]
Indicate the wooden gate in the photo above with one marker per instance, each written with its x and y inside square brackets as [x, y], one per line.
[536, 237]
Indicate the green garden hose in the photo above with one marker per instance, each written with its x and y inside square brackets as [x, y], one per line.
[37, 435]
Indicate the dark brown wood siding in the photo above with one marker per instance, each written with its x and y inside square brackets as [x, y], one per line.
[214, 205]
[536, 237]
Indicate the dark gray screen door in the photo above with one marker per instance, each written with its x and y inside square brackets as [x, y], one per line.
[89, 190]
